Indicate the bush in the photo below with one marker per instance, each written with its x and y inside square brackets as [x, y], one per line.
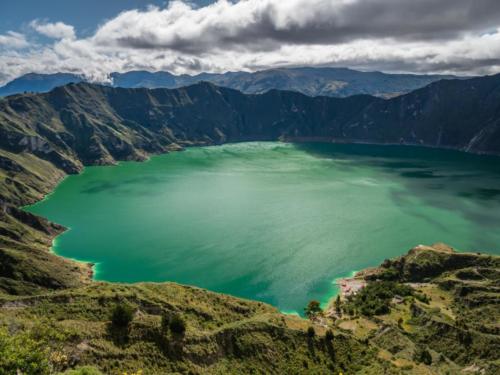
[329, 335]
[122, 315]
[389, 274]
[311, 332]
[423, 356]
[177, 325]
[375, 298]
[313, 308]
[465, 337]
[422, 298]
[165, 322]
[22, 353]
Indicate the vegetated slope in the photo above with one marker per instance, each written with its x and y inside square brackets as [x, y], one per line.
[337, 82]
[432, 307]
[223, 334]
[440, 316]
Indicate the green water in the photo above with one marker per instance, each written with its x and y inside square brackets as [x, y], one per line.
[270, 221]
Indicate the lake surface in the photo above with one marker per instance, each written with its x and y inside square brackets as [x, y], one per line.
[271, 221]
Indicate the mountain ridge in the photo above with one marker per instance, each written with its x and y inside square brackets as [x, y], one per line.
[312, 81]
[443, 114]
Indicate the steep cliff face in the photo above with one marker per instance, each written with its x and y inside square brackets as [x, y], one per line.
[455, 114]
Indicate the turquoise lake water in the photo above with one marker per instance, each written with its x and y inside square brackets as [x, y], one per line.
[271, 221]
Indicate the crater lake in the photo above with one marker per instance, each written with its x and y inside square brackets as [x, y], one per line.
[270, 221]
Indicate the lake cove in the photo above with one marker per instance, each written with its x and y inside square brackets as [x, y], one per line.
[270, 221]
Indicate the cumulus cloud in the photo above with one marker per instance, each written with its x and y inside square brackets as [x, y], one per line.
[257, 23]
[57, 30]
[425, 36]
[13, 40]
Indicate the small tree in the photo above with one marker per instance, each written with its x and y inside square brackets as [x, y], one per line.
[313, 308]
[329, 335]
[465, 337]
[165, 322]
[338, 305]
[122, 315]
[310, 332]
[423, 356]
[177, 325]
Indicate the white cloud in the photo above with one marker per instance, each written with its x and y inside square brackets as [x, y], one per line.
[13, 40]
[266, 24]
[57, 30]
[431, 36]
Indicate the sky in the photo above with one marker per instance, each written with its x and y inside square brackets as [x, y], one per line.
[97, 37]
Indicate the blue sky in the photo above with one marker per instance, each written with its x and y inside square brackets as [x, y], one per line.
[97, 37]
[85, 16]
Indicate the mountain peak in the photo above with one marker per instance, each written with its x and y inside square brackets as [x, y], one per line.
[312, 81]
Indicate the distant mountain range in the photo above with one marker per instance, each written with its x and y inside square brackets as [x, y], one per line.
[335, 82]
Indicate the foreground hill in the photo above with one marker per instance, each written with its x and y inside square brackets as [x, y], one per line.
[439, 316]
[53, 316]
[223, 335]
[433, 310]
[337, 82]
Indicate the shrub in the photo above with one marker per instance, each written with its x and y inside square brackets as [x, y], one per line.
[22, 353]
[338, 305]
[389, 274]
[422, 298]
[177, 325]
[423, 356]
[122, 315]
[312, 309]
[465, 337]
[165, 322]
[375, 298]
[311, 332]
[329, 335]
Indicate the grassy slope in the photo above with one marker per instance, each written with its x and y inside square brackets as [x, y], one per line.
[458, 325]
[224, 334]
